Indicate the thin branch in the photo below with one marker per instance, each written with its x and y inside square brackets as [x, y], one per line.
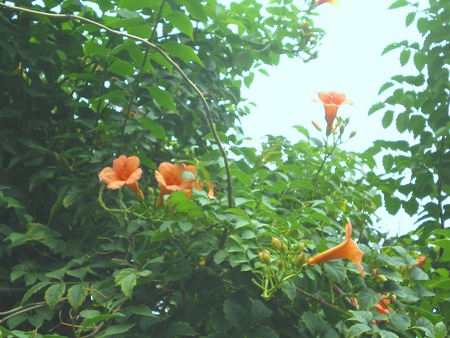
[167, 58]
[321, 301]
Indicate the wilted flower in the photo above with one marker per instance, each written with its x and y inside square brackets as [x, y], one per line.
[176, 177]
[420, 261]
[331, 102]
[347, 249]
[125, 171]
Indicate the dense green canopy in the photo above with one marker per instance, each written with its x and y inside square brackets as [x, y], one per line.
[189, 232]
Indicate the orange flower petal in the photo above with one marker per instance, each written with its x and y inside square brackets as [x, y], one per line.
[347, 250]
[125, 171]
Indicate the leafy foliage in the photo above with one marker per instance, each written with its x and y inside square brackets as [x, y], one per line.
[83, 83]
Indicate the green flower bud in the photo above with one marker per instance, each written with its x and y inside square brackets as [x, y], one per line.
[264, 257]
[276, 244]
[301, 260]
[316, 125]
[284, 247]
[300, 247]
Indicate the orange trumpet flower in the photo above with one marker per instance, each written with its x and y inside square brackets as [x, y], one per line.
[331, 102]
[321, 2]
[347, 249]
[125, 172]
[381, 306]
[176, 177]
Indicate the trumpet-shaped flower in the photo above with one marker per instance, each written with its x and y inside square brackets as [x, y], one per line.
[176, 177]
[347, 249]
[381, 306]
[124, 172]
[331, 102]
[321, 2]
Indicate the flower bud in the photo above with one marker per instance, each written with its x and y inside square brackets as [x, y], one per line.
[341, 129]
[264, 257]
[284, 247]
[316, 125]
[301, 260]
[353, 133]
[300, 247]
[276, 244]
[280, 264]
[382, 278]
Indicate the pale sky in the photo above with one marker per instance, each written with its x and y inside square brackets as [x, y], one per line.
[349, 61]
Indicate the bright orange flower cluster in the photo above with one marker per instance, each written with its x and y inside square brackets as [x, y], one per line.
[124, 172]
[331, 102]
[176, 177]
[347, 249]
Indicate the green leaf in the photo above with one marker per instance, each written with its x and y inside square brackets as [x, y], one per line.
[367, 298]
[387, 334]
[432, 317]
[388, 162]
[196, 9]
[392, 204]
[181, 329]
[236, 315]
[391, 47]
[400, 321]
[155, 129]
[98, 318]
[182, 22]
[440, 330]
[135, 5]
[38, 177]
[122, 68]
[259, 311]
[118, 329]
[399, 3]
[76, 295]
[387, 119]
[317, 326]
[93, 48]
[410, 18]
[357, 330]
[335, 270]
[183, 52]
[16, 334]
[31, 291]
[162, 97]
[420, 60]
[126, 279]
[220, 256]
[364, 317]
[375, 107]
[402, 122]
[263, 332]
[404, 57]
[54, 294]
[141, 310]
[385, 86]
[418, 274]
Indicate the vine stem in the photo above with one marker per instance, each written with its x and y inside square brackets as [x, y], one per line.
[167, 58]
